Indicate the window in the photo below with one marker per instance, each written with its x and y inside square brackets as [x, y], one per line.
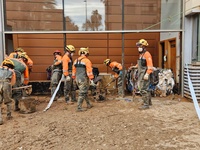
[91, 15]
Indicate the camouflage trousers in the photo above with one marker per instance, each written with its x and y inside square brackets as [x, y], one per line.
[17, 94]
[145, 92]
[119, 86]
[55, 78]
[5, 96]
[83, 85]
[70, 90]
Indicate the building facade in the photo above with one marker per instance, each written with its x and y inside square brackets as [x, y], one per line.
[191, 47]
[110, 28]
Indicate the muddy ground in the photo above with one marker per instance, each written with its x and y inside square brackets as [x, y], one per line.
[170, 124]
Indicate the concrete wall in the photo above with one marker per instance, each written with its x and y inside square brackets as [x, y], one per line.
[191, 6]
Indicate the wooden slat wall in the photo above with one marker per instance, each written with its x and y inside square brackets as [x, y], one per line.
[40, 48]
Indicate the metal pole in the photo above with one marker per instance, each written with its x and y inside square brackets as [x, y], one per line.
[182, 51]
[2, 35]
[123, 73]
[64, 24]
[85, 15]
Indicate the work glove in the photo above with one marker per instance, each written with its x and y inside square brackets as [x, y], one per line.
[28, 90]
[92, 83]
[68, 78]
[146, 76]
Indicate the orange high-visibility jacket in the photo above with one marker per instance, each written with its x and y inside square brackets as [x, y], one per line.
[114, 64]
[29, 63]
[14, 55]
[67, 65]
[146, 55]
[13, 79]
[58, 60]
[87, 63]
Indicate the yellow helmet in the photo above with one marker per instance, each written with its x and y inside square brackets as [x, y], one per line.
[142, 42]
[19, 49]
[84, 50]
[23, 55]
[107, 61]
[9, 63]
[70, 48]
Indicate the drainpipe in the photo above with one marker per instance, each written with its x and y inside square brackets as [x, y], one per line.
[182, 50]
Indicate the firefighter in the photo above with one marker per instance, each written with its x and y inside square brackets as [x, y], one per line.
[82, 73]
[117, 68]
[7, 79]
[22, 77]
[145, 68]
[16, 54]
[69, 83]
[56, 72]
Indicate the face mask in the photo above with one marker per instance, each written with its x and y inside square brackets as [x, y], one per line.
[140, 49]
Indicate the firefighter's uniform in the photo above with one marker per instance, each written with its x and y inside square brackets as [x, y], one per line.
[145, 68]
[22, 77]
[117, 68]
[7, 80]
[69, 82]
[82, 73]
[56, 72]
[16, 54]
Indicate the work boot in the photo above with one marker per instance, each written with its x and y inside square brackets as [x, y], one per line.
[81, 109]
[9, 116]
[143, 107]
[16, 105]
[150, 103]
[1, 121]
[89, 106]
[17, 108]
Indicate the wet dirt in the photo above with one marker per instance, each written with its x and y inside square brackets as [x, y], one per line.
[169, 124]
